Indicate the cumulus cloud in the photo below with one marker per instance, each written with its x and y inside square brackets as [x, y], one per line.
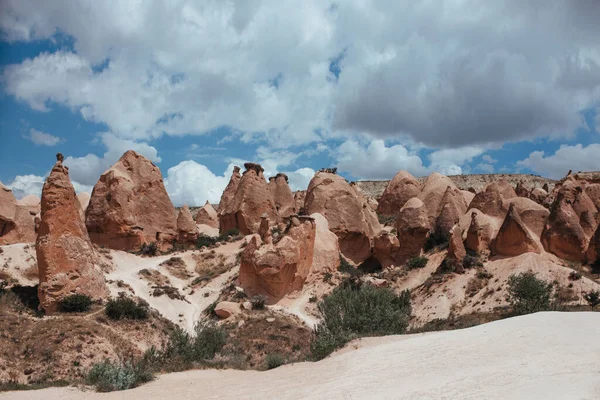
[465, 74]
[488, 159]
[485, 168]
[556, 166]
[300, 178]
[42, 138]
[193, 184]
[23, 185]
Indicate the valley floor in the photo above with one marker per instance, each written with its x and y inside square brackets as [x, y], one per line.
[540, 356]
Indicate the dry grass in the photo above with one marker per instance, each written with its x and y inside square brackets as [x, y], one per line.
[209, 265]
[154, 277]
[176, 267]
[31, 272]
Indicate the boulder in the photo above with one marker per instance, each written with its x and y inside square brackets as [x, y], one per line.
[16, 222]
[412, 226]
[480, 232]
[252, 199]
[274, 270]
[326, 254]
[230, 189]
[207, 215]
[521, 190]
[32, 203]
[348, 214]
[401, 188]
[491, 200]
[226, 309]
[538, 195]
[385, 249]
[65, 255]
[456, 248]
[431, 195]
[129, 206]
[514, 238]
[282, 195]
[186, 227]
[453, 207]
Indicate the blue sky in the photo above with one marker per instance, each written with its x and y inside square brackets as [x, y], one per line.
[369, 87]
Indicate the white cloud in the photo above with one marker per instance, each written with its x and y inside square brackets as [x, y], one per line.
[42, 138]
[472, 73]
[191, 183]
[488, 159]
[300, 178]
[485, 168]
[23, 185]
[556, 166]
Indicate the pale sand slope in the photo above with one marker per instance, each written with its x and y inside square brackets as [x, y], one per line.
[539, 356]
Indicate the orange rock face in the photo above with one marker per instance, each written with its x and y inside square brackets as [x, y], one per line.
[434, 188]
[186, 227]
[593, 251]
[491, 200]
[282, 195]
[32, 203]
[401, 188]
[274, 270]
[514, 238]
[326, 255]
[229, 192]
[129, 206]
[385, 249]
[207, 215]
[299, 197]
[349, 217]
[412, 226]
[453, 207]
[65, 255]
[479, 233]
[252, 199]
[456, 248]
[16, 222]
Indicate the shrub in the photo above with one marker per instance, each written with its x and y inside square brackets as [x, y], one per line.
[184, 349]
[108, 376]
[471, 260]
[347, 268]
[437, 239]
[574, 276]
[274, 360]
[149, 249]
[125, 308]
[258, 302]
[528, 294]
[327, 277]
[484, 275]
[355, 310]
[386, 219]
[417, 262]
[205, 240]
[75, 303]
[592, 298]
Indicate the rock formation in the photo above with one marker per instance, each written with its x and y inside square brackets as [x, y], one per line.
[456, 248]
[299, 197]
[251, 200]
[282, 195]
[84, 201]
[514, 238]
[230, 189]
[492, 200]
[326, 254]
[480, 232]
[349, 217]
[129, 206]
[538, 195]
[453, 207]
[401, 188]
[593, 251]
[207, 215]
[65, 255]
[16, 222]
[532, 214]
[274, 270]
[32, 203]
[434, 188]
[521, 190]
[187, 231]
[385, 249]
[412, 226]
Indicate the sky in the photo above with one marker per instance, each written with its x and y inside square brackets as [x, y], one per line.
[370, 87]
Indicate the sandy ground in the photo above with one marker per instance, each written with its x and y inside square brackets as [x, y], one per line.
[539, 356]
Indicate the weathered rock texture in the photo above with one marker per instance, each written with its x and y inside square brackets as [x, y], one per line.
[16, 222]
[129, 206]
[84, 201]
[349, 217]
[456, 248]
[282, 195]
[32, 203]
[514, 238]
[230, 189]
[480, 232]
[207, 215]
[186, 227]
[326, 255]
[252, 199]
[412, 226]
[65, 255]
[299, 197]
[453, 207]
[432, 195]
[274, 270]
[401, 188]
[593, 251]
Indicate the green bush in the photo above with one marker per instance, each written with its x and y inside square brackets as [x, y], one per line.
[355, 310]
[417, 262]
[471, 260]
[274, 360]
[327, 276]
[346, 268]
[484, 275]
[125, 308]
[258, 302]
[75, 303]
[528, 294]
[437, 239]
[205, 240]
[108, 376]
[149, 249]
[574, 276]
[592, 298]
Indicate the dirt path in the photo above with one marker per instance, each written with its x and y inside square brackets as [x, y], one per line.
[539, 356]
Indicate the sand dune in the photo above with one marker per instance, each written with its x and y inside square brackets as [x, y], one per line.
[539, 356]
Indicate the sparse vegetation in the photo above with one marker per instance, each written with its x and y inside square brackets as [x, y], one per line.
[483, 274]
[592, 298]
[386, 220]
[258, 302]
[417, 262]
[75, 303]
[472, 260]
[108, 376]
[125, 308]
[574, 276]
[149, 249]
[437, 239]
[205, 241]
[274, 360]
[347, 268]
[353, 310]
[528, 294]
[327, 277]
